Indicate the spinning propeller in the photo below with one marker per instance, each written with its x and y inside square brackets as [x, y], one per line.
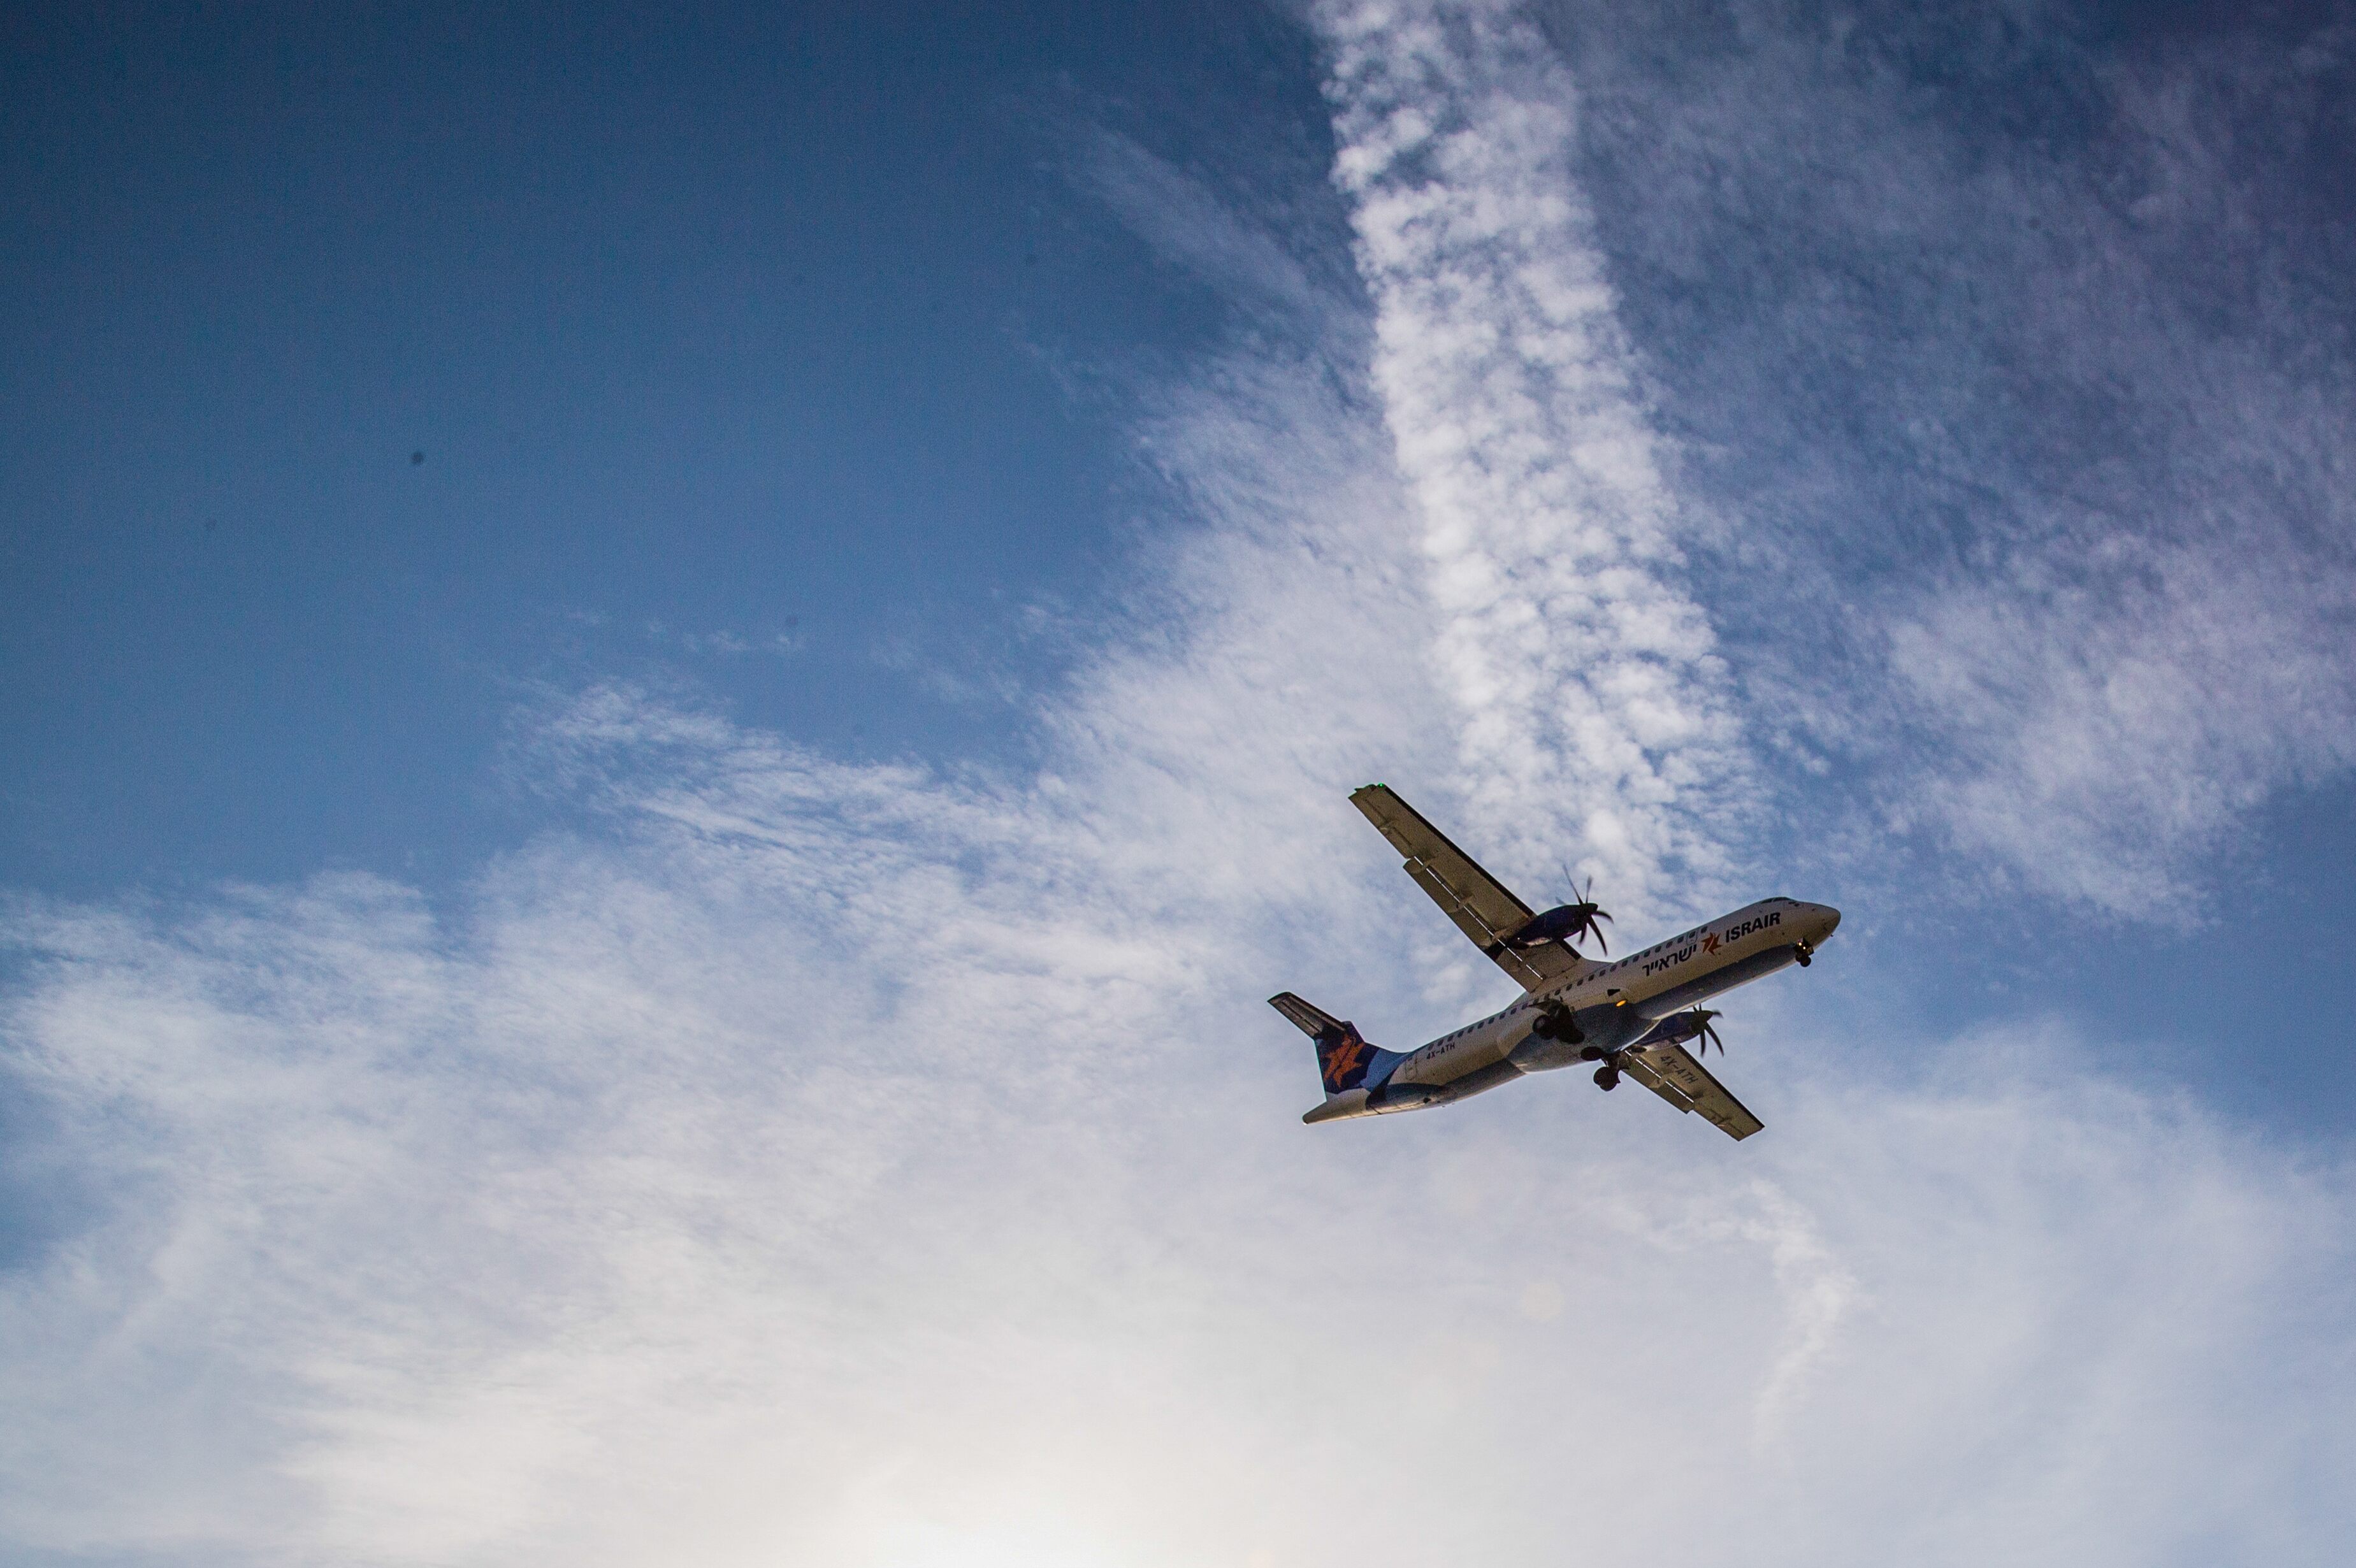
[1696, 1023]
[1566, 923]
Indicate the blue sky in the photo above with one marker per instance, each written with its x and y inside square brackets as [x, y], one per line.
[676, 685]
[653, 301]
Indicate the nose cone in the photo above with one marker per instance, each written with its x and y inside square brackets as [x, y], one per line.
[1825, 917]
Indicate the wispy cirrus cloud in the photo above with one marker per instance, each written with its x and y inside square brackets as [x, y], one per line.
[1995, 355]
[2106, 730]
[849, 1164]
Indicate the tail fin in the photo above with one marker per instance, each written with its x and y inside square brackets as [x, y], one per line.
[1343, 1054]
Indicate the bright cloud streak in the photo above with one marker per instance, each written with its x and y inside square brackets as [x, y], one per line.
[852, 1165]
[1591, 694]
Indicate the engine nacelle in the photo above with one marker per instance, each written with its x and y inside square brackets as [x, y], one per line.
[1560, 923]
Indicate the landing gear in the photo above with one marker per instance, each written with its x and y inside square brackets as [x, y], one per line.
[1607, 1077]
[1592, 1053]
[1804, 954]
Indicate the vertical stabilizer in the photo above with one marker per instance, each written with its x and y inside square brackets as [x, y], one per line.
[1344, 1057]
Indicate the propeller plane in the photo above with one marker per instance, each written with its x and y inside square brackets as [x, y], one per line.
[1632, 1016]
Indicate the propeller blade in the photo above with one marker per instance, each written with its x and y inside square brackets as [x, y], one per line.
[1581, 912]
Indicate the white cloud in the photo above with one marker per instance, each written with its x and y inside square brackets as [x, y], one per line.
[2170, 636]
[1594, 703]
[846, 1166]
[857, 1165]
[2005, 356]
[2102, 736]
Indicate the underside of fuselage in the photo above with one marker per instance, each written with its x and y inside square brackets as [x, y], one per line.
[1741, 972]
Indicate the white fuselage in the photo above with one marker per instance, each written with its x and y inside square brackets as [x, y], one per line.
[1612, 1004]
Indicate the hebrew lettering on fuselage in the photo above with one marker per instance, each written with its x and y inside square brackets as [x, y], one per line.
[1734, 934]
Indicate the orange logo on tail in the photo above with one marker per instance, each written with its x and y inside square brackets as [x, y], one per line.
[1343, 1058]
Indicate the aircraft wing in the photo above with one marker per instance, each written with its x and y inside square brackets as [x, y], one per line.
[1668, 1070]
[1474, 899]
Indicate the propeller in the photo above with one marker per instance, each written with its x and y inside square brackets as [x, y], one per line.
[1586, 903]
[1566, 923]
[1696, 1023]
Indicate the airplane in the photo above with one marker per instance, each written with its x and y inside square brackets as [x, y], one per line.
[1632, 1016]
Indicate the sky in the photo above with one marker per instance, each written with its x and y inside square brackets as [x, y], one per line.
[675, 685]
